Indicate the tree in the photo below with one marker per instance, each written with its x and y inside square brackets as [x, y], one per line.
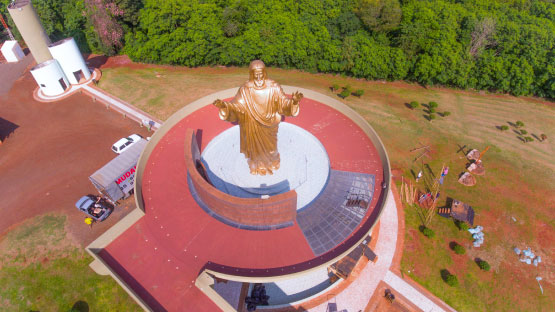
[519, 124]
[102, 16]
[484, 265]
[345, 93]
[379, 15]
[462, 226]
[414, 104]
[482, 36]
[232, 20]
[429, 233]
[458, 249]
[449, 278]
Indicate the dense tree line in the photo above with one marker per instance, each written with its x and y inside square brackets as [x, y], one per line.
[502, 45]
[97, 25]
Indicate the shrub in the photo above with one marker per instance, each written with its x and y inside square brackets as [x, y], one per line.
[504, 128]
[335, 87]
[451, 280]
[347, 88]
[458, 249]
[433, 105]
[432, 116]
[528, 139]
[462, 226]
[414, 104]
[345, 93]
[484, 265]
[446, 113]
[519, 124]
[359, 92]
[429, 233]
[432, 110]
[543, 137]
[523, 131]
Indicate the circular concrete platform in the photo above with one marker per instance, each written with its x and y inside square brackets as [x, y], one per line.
[305, 166]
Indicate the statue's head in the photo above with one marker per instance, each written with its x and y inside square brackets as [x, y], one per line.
[257, 73]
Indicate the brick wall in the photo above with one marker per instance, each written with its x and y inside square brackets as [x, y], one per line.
[275, 210]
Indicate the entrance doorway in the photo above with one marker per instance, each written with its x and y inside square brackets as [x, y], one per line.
[79, 75]
[63, 83]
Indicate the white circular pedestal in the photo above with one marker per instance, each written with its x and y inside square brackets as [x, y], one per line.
[304, 166]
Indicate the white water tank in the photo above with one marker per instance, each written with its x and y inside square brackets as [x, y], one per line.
[28, 23]
[12, 51]
[50, 78]
[68, 55]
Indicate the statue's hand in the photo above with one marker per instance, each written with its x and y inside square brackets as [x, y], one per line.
[219, 103]
[297, 96]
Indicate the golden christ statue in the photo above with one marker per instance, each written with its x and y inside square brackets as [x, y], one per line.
[257, 108]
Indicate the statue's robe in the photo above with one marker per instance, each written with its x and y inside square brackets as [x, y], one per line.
[258, 113]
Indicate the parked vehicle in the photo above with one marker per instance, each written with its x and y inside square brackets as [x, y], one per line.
[97, 209]
[124, 143]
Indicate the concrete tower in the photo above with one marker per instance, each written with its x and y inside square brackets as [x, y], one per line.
[28, 24]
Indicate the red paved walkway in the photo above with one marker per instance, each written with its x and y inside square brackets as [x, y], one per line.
[163, 253]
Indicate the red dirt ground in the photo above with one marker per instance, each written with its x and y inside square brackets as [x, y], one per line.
[45, 163]
[178, 238]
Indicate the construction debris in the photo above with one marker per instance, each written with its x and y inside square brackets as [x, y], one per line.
[408, 192]
[539, 278]
[467, 179]
[477, 235]
[527, 256]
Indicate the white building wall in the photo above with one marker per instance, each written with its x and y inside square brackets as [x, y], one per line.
[48, 75]
[12, 51]
[68, 55]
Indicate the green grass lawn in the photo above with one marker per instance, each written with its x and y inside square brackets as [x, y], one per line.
[42, 270]
[519, 180]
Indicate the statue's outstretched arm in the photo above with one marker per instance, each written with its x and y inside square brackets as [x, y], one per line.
[227, 110]
[289, 106]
